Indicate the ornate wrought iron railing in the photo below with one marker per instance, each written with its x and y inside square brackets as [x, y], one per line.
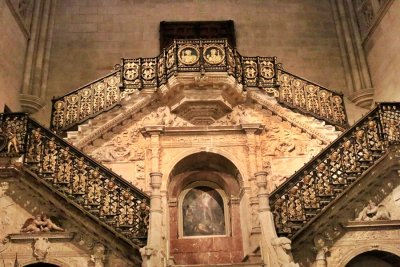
[310, 98]
[93, 188]
[86, 102]
[337, 167]
[194, 56]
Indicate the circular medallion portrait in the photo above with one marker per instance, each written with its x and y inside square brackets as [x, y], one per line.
[213, 55]
[188, 55]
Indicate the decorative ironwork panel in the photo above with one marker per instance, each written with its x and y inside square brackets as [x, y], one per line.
[310, 98]
[72, 174]
[322, 180]
[12, 134]
[86, 102]
[200, 56]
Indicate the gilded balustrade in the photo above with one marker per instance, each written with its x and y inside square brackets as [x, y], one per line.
[324, 178]
[310, 98]
[202, 56]
[93, 188]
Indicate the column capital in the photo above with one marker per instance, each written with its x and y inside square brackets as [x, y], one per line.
[155, 179]
[261, 178]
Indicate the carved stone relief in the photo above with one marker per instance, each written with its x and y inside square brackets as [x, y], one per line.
[41, 248]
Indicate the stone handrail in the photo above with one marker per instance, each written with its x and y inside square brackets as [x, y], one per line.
[201, 56]
[304, 195]
[91, 187]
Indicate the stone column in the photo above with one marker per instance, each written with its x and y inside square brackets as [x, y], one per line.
[320, 260]
[252, 129]
[152, 253]
[355, 65]
[34, 85]
[275, 250]
[268, 231]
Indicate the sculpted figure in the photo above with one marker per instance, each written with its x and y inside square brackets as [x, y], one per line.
[41, 223]
[32, 225]
[48, 224]
[283, 248]
[373, 213]
[12, 141]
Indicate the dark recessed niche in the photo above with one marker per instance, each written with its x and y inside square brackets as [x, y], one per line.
[170, 30]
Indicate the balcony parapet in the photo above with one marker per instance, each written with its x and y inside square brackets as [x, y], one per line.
[205, 57]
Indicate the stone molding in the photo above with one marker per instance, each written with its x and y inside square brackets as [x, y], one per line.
[324, 133]
[118, 119]
[363, 98]
[59, 237]
[30, 103]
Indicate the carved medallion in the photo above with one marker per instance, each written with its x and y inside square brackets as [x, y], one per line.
[148, 71]
[72, 99]
[131, 71]
[188, 55]
[213, 55]
[250, 72]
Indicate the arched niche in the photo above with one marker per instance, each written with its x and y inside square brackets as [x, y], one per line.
[217, 179]
[376, 258]
[205, 166]
[41, 264]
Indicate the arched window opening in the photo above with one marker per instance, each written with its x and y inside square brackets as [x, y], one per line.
[375, 258]
[203, 210]
[41, 264]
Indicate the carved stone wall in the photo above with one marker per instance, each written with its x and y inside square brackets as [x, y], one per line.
[24, 236]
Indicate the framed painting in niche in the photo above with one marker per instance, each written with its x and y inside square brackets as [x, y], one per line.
[203, 212]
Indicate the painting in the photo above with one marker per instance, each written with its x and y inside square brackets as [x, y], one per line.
[203, 212]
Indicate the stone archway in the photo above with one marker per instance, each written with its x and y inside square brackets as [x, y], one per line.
[376, 258]
[217, 177]
[41, 264]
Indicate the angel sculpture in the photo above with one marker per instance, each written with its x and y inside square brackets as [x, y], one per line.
[41, 223]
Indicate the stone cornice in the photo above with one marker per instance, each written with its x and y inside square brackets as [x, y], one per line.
[118, 119]
[324, 133]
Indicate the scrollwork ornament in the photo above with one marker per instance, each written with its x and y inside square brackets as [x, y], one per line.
[170, 58]
[250, 69]
[148, 70]
[131, 71]
[267, 69]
